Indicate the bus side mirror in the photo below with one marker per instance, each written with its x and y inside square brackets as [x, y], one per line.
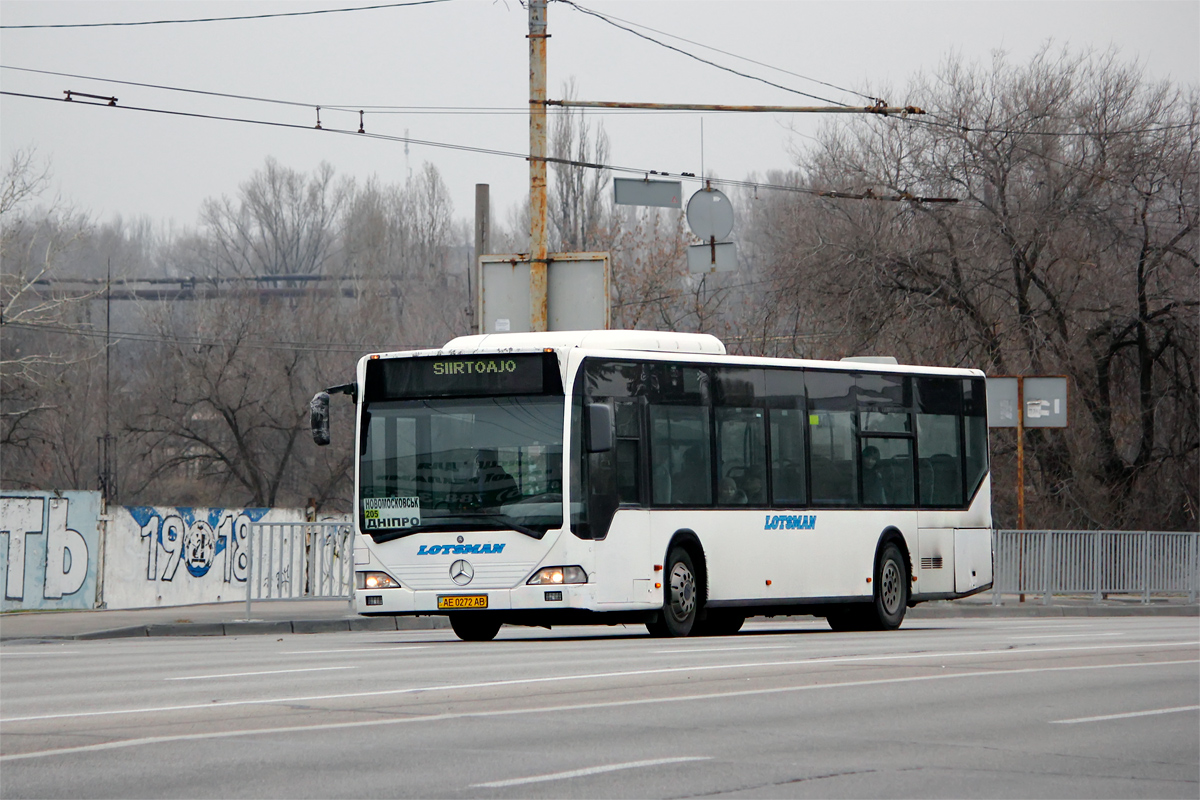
[318, 418]
[600, 428]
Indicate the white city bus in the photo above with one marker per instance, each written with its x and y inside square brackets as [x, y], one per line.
[613, 477]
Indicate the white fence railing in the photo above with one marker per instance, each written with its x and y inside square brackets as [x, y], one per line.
[1099, 563]
[300, 560]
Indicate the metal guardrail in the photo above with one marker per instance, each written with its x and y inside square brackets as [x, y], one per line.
[303, 560]
[1099, 563]
[300, 560]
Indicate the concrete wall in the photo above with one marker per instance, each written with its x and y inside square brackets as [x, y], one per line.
[163, 556]
[57, 552]
[49, 549]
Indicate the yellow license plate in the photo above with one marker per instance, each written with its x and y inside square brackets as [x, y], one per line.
[462, 601]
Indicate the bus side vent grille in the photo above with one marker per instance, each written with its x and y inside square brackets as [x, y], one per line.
[931, 562]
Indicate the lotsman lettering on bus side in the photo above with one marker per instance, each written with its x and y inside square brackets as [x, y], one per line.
[790, 522]
[459, 549]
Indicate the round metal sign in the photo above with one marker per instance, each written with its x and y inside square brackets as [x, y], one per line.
[710, 214]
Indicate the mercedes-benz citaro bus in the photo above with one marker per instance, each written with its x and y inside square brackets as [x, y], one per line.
[618, 477]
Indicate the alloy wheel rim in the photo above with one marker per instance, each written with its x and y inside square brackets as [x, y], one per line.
[683, 591]
[889, 586]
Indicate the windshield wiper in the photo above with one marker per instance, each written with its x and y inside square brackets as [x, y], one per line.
[494, 521]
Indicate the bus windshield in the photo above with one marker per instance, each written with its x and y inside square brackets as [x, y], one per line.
[478, 463]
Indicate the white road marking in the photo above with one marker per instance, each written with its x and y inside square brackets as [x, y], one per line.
[1127, 715]
[543, 709]
[1063, 636]
[398, 649]
[248, 674]
[729, 649]
[1041, 651]
[47, 653]
[580, 773]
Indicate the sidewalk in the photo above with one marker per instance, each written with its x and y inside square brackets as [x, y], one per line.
[331, 616]
[214, 619]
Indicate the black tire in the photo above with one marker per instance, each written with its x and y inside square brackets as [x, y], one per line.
[475, 627]
[891, 589]
[886, 610]
[681, 597]
[719, 623]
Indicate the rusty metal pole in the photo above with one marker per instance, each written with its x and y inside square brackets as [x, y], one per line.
[538, 249]
[483, 226]
[1021, 454]
[1021, 485]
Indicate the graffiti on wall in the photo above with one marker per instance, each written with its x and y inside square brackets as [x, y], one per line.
[174, 556]
[196, 541]
[51, 549]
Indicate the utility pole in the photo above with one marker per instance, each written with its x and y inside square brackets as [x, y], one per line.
[483, 226]
[107, 487]
[538, 250]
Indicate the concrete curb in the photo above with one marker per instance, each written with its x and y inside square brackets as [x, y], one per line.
[1037, 610]
[245, 628]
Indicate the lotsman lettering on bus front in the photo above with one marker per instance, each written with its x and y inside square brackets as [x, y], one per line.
[459, 549]
[790, 522]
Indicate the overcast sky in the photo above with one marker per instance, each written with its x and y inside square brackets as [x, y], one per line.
[456, 72]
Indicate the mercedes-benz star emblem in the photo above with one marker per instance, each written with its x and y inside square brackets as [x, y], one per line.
[461, 572]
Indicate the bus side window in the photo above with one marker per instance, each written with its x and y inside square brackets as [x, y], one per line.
[679, 447]
[628, 451]
[741, 457]
[787, 457]
[939, 405]
[976, 433]
[832, 438]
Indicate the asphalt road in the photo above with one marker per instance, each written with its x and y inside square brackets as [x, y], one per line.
[1064, 707]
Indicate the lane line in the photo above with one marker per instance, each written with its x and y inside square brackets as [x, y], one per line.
[542, 709]
[580, 773]
[729, 649]
[247, 674]
[1012, 651]
[47, 653]
[1127, 715]
[400, 649]
[1063, 636]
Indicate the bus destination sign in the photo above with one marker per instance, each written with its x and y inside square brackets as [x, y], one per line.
[457, 376]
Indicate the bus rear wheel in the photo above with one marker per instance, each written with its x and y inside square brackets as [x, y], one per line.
[680, 597]
[886, 610]
[891, 589]
[474, 627]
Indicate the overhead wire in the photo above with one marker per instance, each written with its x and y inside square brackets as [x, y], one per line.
[640, 35]
[351, 108]
[224, 19]
[683, 176]
[723, 52]
[200, 341]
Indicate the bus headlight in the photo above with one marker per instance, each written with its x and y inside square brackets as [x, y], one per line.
[557, 575]
[375, 580]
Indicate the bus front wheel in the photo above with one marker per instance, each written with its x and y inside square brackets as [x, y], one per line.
[680, 597]
[474, 627]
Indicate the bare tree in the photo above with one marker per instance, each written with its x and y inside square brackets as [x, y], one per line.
[36, 318]
[1072, 251]
[282, 223]
[578, 211]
